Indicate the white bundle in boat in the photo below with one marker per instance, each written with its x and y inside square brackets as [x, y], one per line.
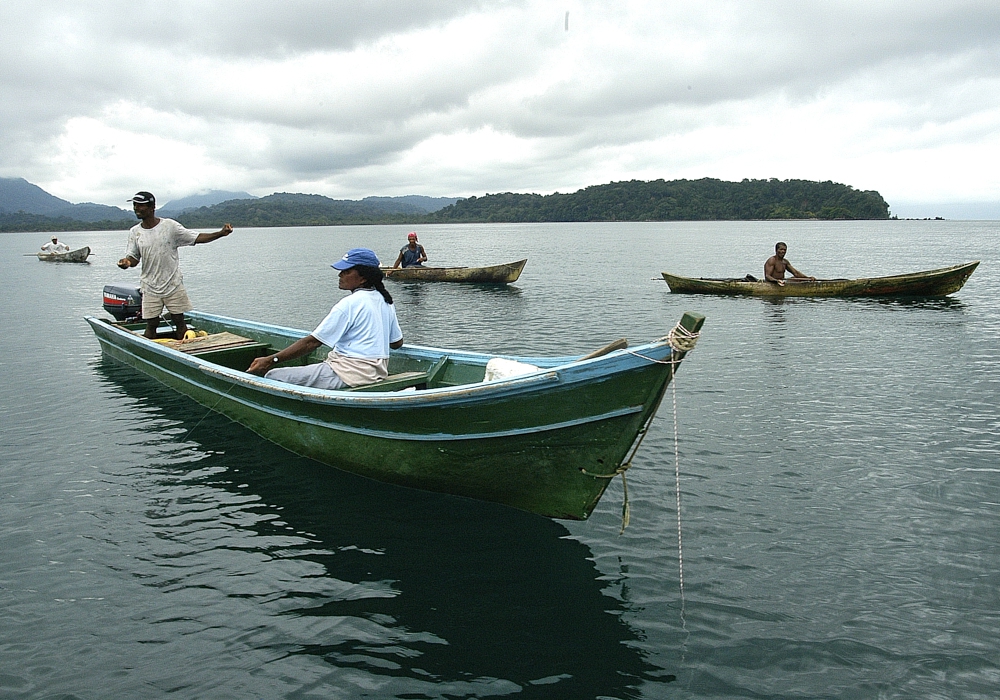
[499, 368]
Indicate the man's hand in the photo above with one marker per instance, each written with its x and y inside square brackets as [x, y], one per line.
[261, 365]
[226, 229]
[124, 263]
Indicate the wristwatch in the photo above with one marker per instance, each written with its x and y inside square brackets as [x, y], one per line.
[274, 358]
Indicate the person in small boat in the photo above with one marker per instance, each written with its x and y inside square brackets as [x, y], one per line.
[154, 242]
[412, 254]
[776, 266]
[360, 329]
[54, 246]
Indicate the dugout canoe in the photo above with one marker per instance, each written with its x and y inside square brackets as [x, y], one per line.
[494, 274]
[930, 283]
[77, 256]
[548, 441]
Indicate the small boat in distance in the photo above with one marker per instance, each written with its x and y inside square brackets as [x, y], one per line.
[930, 283]
[77, 256]
[542, 434]
[494, 274]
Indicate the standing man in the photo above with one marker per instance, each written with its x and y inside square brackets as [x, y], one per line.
[776, 265]
[155, 241]
[412, 254]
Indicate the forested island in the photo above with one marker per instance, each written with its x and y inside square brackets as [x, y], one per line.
[706, 199]
[677, 200]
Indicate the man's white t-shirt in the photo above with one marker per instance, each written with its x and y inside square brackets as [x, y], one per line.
[359, 328]
[157, 248]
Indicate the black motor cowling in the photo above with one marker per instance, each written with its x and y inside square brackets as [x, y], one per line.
[123, 301]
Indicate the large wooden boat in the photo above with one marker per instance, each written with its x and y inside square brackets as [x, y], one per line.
[548, 441]
[930, 283]
[494, 274]
[77, 256]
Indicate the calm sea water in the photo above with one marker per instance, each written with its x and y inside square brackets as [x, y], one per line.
[840, 486]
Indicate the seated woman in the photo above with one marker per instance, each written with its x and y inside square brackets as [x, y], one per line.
[360, 329]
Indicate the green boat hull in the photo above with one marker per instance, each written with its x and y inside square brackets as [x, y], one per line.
[931, 283]
[548, 442]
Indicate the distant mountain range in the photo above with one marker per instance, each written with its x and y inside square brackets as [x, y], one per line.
[19, 195]
[178, 206]
[26, 207]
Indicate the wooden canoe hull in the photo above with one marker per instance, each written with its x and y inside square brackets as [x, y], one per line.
[931, 283]
[77, 256]
[495, 274]
[548, 442]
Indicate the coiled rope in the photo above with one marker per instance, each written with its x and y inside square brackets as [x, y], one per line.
[681, 339]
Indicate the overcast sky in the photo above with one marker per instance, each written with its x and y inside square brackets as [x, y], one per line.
[440, 98]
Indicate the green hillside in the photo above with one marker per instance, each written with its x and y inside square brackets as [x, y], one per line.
[677, 200]
[636, 200]
[285, 209]
[36, 222]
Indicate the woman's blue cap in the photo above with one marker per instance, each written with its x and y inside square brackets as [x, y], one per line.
[356, 256]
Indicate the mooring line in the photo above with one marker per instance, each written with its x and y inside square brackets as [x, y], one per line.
[210, 410]
[677, 491]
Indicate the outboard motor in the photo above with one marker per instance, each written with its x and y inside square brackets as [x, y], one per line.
[123, 301]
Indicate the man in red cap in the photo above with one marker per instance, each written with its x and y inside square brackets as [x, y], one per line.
[412, 254]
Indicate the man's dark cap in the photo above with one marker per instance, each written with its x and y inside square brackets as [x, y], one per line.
[143, 198]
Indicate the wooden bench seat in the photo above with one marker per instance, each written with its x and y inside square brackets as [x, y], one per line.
[404, 380]
[226, 349]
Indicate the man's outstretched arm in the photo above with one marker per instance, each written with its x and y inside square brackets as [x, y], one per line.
[209, 237]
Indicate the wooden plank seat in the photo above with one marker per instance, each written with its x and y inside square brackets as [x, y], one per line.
[213, 342]
[207, 343]
[404, 380]
[226, 349]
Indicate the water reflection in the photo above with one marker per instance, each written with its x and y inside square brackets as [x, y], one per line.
[775, 322]
[906, 302]
[424, 594]
[912, 302]
[774, 309]
[413, 290]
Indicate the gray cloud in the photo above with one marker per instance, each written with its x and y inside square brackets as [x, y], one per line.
[459, 98]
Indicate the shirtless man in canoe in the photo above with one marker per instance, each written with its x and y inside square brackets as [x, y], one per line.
[776, 266]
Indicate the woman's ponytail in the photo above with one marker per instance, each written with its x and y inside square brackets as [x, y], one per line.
[373, 277]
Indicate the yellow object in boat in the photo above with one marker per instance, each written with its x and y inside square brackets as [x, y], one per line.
[190, 335]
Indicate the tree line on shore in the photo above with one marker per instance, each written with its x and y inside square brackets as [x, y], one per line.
[706, 199]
